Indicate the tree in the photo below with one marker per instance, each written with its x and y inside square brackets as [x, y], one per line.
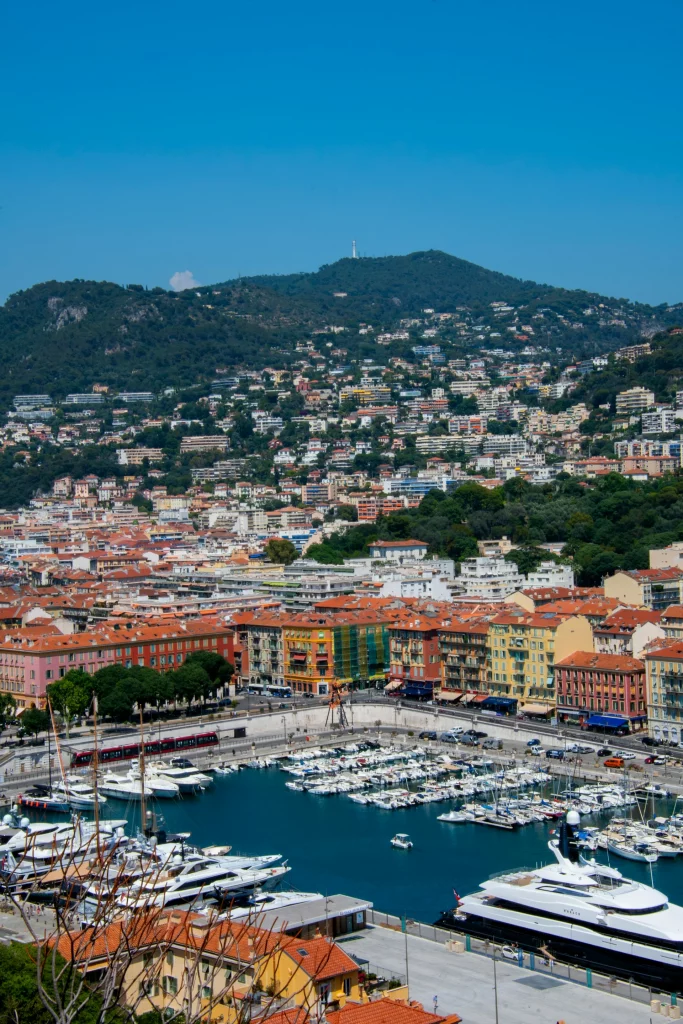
[119, 701]
[20, 993]
[211, 661]
[70, 695]
[282, 552]
[7, 708]
[190, 682]
[34, 721]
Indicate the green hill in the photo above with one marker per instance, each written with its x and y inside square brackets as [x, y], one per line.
[60, 337]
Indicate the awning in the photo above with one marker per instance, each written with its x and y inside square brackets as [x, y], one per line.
[449, 695]
[501, 702]
[536, 709]
[608, 721]
[478, 698]
[395, 684]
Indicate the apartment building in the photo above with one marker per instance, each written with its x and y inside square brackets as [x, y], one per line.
[522, 650]
[628, 631]
[634, 400]
[489, 579]
[464, 657]
[664, 672]
[259, 650]
[136, 456]
[28, 664]
[646, 588]
[415, 660]
[204, 443]
[346, 648]
[659, 421]
[602, 690]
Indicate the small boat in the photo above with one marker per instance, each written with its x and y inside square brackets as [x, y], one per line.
[41, 798]
[402, 841]
[634, 851]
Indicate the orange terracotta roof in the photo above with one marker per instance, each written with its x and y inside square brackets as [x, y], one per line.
[601, 662]
[388, 1011]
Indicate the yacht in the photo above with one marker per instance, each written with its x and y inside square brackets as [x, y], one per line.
[261, 902]
[189, 878]
[581, 911]
[129, 786]
[77, 793]
[188, 780]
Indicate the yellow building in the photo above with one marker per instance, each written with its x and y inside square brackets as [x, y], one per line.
[522, 649]
[181, 962]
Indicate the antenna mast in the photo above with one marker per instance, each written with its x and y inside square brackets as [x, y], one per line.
[354, 253]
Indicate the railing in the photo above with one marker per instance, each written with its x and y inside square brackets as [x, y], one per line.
[536, 962]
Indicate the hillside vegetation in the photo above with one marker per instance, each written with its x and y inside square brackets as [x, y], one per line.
[60, 337]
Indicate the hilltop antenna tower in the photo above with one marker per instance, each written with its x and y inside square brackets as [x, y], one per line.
[354, 253]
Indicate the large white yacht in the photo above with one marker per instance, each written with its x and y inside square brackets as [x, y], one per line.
[188, 878]
[580, 911]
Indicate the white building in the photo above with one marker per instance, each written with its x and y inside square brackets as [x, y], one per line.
[489, 579]
[634, 400]
[550, 574]
[661, 421]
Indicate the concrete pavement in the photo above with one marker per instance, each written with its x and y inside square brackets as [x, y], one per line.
[463, 983]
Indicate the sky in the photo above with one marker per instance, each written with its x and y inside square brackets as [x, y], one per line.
[144, 141]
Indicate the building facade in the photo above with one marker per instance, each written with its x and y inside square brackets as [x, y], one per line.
[602, 690]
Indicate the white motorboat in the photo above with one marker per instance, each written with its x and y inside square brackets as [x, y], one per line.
[261, 902]
[77, 793]
[642, 852]
[402, 841]
[189, 878]
[129, 787]
[188, 780]
[583, 912]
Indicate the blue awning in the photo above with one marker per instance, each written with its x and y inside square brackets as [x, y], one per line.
[412, 689]
[499, 702]
[608, 721]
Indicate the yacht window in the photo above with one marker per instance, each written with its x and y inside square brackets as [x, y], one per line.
[566, 892]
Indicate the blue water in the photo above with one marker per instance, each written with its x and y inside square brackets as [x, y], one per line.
[337, 846]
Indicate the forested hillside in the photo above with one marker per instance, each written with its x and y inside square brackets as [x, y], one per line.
[605, 525]
[59, 337]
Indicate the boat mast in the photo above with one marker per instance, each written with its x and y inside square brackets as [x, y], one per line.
[95, 767]
[59, 750]
[143, 809]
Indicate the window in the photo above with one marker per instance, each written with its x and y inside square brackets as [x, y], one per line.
[347, 986]
[207, 992]
[170, 985]
[48, 674]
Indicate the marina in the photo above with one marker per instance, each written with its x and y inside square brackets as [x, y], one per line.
[342, 845]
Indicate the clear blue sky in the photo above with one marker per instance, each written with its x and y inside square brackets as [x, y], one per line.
[544, 140]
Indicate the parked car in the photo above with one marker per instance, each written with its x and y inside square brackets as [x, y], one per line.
[580, 748]
[479, 735]
[656, 759]
[427, 734]
[649, 741]
[536, 751]
[604, 752]
[614, 762]
[469, 741]
[625, 755]
[448, 737]
[492, 744]
[310, 696]
[533, 743]
[556, 755]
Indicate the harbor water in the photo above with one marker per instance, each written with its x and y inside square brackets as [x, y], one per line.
[337, 846]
